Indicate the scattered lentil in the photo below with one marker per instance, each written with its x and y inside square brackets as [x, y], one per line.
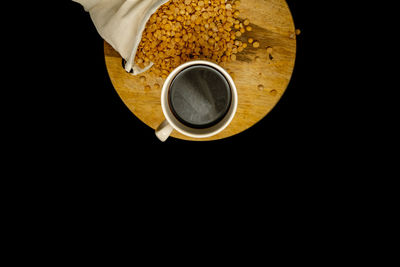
[273, 92]
[182, 30]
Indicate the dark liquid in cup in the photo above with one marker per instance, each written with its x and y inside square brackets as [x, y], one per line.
[199, 96]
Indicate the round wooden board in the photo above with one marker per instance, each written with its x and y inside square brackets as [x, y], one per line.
[272, 25]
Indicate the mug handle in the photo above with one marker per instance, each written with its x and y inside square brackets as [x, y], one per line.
[164, 131]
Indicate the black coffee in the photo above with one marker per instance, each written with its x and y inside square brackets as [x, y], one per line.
[199, 96]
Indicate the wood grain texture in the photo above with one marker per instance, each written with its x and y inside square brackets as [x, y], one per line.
[272, 25]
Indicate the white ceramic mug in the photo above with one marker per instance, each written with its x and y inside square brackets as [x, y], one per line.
[171, 122]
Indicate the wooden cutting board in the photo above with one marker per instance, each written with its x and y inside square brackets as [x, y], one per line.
[272, 25]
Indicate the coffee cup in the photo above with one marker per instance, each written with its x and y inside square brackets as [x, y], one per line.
[199, 100]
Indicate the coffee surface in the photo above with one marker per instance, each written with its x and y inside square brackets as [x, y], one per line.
[199, 96]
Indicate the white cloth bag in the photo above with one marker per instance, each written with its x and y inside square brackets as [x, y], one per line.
[121, 24]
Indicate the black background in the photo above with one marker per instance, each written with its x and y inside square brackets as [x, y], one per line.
[82, 107]
[71, 123]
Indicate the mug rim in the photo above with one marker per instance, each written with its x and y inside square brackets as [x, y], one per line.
[220, 126]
